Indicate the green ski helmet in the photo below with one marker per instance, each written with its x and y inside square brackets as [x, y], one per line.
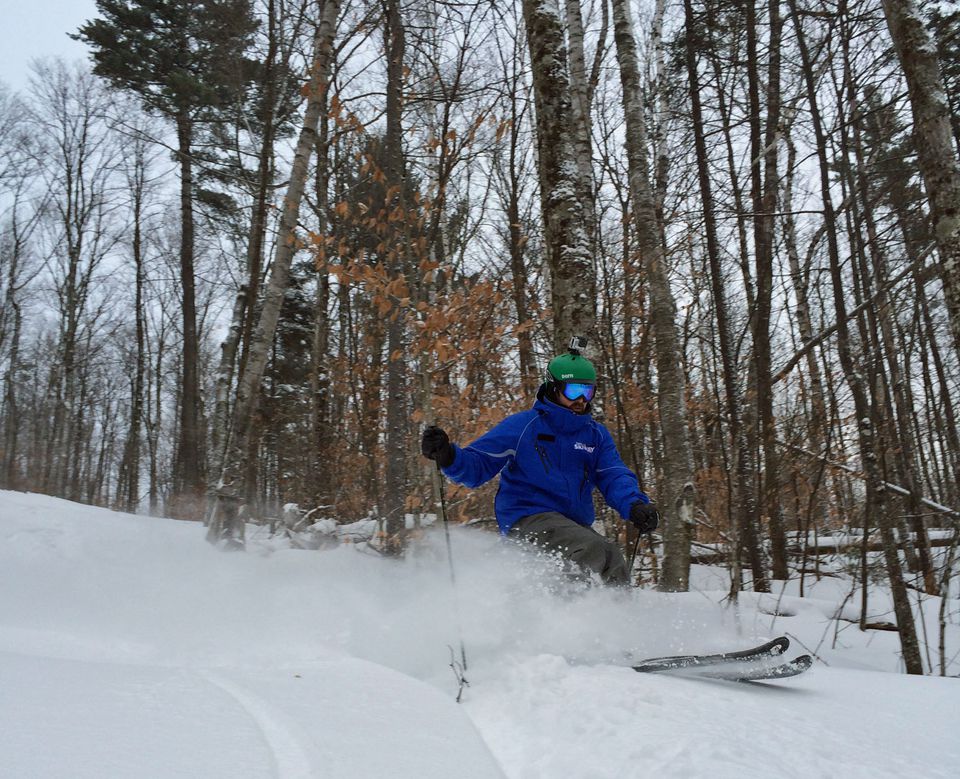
[572, 367]
[572, 374]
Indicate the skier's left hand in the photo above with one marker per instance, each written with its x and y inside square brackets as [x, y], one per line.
[644, 516]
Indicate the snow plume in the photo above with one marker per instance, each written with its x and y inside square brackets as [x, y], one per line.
[95, 584]
[508, 602]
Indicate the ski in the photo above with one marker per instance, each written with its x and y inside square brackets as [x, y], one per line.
[794, 667]
[751, 671]
[771, 649]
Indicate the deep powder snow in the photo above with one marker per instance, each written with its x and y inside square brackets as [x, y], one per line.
[131, 648]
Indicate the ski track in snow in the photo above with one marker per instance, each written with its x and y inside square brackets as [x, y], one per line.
[290, 760]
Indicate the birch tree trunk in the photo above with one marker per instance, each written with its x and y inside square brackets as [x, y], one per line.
[580, 93]
[241, 324]
[220, 434]
[678, 490]
[573, 279]
[934, 141]
[225, 524]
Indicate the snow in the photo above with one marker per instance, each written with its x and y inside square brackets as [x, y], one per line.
[131, 648]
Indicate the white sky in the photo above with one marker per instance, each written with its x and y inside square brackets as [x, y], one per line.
[32, 29]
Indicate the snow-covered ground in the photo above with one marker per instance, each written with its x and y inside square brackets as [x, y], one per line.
[131, 648]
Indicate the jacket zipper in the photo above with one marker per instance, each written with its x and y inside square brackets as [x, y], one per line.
[543, 458]
[585, 479]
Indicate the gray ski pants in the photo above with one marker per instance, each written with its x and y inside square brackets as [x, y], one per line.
[583, 545]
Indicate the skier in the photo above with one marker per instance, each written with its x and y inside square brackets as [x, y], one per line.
[549, 459]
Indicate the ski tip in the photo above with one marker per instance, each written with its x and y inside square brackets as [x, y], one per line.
[779, 645]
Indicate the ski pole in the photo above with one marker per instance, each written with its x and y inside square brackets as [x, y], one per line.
[633, 555]
[441, 491]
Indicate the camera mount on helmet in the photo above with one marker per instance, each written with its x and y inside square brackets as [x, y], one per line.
[577, 344]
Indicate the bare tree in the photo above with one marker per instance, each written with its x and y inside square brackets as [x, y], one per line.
[582, 85]
[865, 407]
[138, 155]
[511, 167]
[79, 158]
[764, 186]
[18, 264]
[744, 502]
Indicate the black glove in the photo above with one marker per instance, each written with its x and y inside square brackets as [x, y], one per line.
[644, 516]
[435, 445]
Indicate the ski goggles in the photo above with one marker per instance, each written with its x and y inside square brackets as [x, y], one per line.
[577, 389]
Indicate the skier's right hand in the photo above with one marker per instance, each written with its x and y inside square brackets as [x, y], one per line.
[435, 445]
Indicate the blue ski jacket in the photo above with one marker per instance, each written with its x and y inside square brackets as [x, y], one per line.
[549, 459]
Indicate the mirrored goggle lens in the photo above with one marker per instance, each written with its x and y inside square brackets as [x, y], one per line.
[573, 390]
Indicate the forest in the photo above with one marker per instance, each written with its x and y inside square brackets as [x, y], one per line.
[249, 248]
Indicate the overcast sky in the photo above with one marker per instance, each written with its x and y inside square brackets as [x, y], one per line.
[38, 28]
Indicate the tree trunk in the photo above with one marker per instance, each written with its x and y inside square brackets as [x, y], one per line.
[580, 94]
[186, 500]
[220, 438]
[238, 336]
[900, 432]
[129, 478]
[226, 524]
[817, 427]
[321, 475]
[764, 195]
[934, 141]
[11, 420]
[678, 493]
[261, 203]
[394, 491]
[573, 280]
[512, 180]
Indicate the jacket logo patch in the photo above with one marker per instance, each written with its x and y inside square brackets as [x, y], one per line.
[584, 447]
